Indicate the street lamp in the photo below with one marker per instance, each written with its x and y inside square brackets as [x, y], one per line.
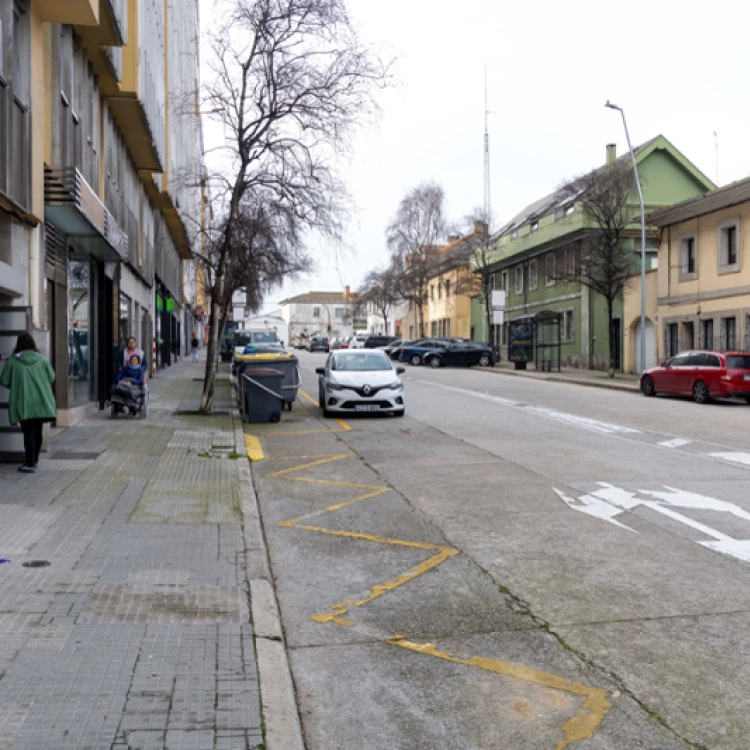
[643, 237]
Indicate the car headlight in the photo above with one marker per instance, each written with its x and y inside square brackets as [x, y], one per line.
[335, 387]
[395, 385]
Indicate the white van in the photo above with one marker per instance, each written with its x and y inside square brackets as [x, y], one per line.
[358, 342]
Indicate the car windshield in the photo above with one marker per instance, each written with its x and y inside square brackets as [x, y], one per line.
[366, 361]
[738, 362]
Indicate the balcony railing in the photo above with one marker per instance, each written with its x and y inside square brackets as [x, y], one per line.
[15, 150]
[73, 206]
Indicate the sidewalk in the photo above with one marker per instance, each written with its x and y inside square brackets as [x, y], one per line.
[136, 632]
[592, 378]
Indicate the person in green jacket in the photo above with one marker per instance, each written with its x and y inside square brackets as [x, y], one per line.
[29, 376]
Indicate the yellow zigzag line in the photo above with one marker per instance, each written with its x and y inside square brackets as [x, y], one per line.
[595, 706]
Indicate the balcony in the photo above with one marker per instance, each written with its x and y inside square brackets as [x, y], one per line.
[74, 208]
[15, 156]
[73, 12]
[110, 24]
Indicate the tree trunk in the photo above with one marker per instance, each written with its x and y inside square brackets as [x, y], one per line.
[488, 313]
[610, 321]
[209, 379]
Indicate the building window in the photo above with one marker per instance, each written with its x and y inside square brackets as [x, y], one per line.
[728, 334]
[440, 290]
[514, 234]
[550, 269]
[316, 312]
[533, 277]
[569, 326]
[688, 256]
[339, 312]
[534, 226]
[434, 328]
[448, 288]
[504, 281]
[729, 249]
[570, 263]
[432, 291]
[570, 210]
[707, 334]
[21, 71]
[519, 279]
[559, 213]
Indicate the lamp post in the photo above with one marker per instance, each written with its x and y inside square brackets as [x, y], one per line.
[643, 236]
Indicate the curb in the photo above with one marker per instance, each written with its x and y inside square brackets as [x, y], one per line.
[570, 381]
[283, 730]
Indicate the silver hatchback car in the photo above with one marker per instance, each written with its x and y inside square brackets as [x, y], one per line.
[360, 380]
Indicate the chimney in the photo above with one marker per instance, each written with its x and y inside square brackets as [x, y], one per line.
[346, 292]
[480, 227]
[611, 153]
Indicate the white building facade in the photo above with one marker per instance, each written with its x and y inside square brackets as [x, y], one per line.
[324, 313]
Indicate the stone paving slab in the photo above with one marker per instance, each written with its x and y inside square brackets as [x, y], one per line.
[138, 633]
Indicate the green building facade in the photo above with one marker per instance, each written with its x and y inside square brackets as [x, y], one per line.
[547, 233]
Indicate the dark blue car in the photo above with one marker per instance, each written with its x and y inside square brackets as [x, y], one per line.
[415, 353]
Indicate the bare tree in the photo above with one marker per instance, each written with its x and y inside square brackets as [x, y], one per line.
[289, 82]
[414, 237]
[602, 260]
[381, 289]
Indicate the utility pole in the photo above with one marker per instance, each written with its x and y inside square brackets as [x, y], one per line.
[487, 197]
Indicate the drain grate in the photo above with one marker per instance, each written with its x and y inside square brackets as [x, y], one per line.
[36, 564]
[75, 455]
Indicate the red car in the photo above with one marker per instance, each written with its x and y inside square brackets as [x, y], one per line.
[701, 374]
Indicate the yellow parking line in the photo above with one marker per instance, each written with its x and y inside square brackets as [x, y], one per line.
[319, 462]
[253, 448]
[580, 727]
[338, 506]
[338, 484]
[344, 425]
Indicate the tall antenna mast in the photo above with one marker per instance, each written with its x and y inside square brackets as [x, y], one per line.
[487, 197]
[716, 136]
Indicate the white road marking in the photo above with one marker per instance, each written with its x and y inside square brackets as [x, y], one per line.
[610, 501]
[735, 458]
[676, 443]
[608, 428]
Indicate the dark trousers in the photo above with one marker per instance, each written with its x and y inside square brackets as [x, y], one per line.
[32, 439]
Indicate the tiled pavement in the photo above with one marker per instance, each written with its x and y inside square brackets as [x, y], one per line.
[138, 634]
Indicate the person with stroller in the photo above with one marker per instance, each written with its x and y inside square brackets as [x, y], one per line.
[131, 372]
[129, 388]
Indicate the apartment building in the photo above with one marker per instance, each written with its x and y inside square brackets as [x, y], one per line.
[100, 158]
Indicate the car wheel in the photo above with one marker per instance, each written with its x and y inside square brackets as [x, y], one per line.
[700, 393]
[647, 386]
[434, 362]
[747, 399]
[321, 400]
[416, 360]
[113, 411]
[485, 361]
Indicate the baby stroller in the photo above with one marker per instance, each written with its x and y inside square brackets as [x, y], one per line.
[125, 396]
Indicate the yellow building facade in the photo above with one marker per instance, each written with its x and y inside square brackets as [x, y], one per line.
[704, 272]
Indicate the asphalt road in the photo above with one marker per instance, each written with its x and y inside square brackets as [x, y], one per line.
[515, 564]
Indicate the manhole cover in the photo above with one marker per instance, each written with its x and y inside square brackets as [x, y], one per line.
[36, 564]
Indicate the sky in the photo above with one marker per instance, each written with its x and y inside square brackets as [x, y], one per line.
[677, 69]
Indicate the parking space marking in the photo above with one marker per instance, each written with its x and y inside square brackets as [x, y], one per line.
[580, 727]
[254, 448]
[595, 706]
[344, 426]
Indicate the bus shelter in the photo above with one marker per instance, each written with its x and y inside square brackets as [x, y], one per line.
[535, 338]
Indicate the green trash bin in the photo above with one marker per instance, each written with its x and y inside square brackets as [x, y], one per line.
[263, 397]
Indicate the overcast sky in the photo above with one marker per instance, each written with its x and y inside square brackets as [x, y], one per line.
[678, 69]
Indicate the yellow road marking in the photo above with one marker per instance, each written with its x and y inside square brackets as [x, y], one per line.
[319, 462]
[580, 727]
[253, 448]
[286, 433]
[294, 521]
[344, 425]
[339, 484]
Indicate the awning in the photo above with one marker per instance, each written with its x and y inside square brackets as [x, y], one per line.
[74, 208]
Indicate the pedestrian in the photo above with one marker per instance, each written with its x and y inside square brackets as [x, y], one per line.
[29, 376]
[194, 347]
[131, 349]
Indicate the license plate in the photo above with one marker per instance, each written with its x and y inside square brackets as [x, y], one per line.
[366, 407]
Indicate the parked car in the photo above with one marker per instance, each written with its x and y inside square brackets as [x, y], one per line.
[415, 352]
[358, 340]
[463, 353]
[394, 349]
[299, 341]
[359, 380]
[376, 341]
[701, 374]
[318, 344]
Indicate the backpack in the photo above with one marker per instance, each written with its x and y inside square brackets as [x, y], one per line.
[194, 343]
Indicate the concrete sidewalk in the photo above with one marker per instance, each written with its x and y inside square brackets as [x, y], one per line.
[591, 378]
[124, 598]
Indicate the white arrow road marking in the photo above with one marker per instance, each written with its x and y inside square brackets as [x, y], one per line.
[610, 501]
[676, 443]
[735, 458]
